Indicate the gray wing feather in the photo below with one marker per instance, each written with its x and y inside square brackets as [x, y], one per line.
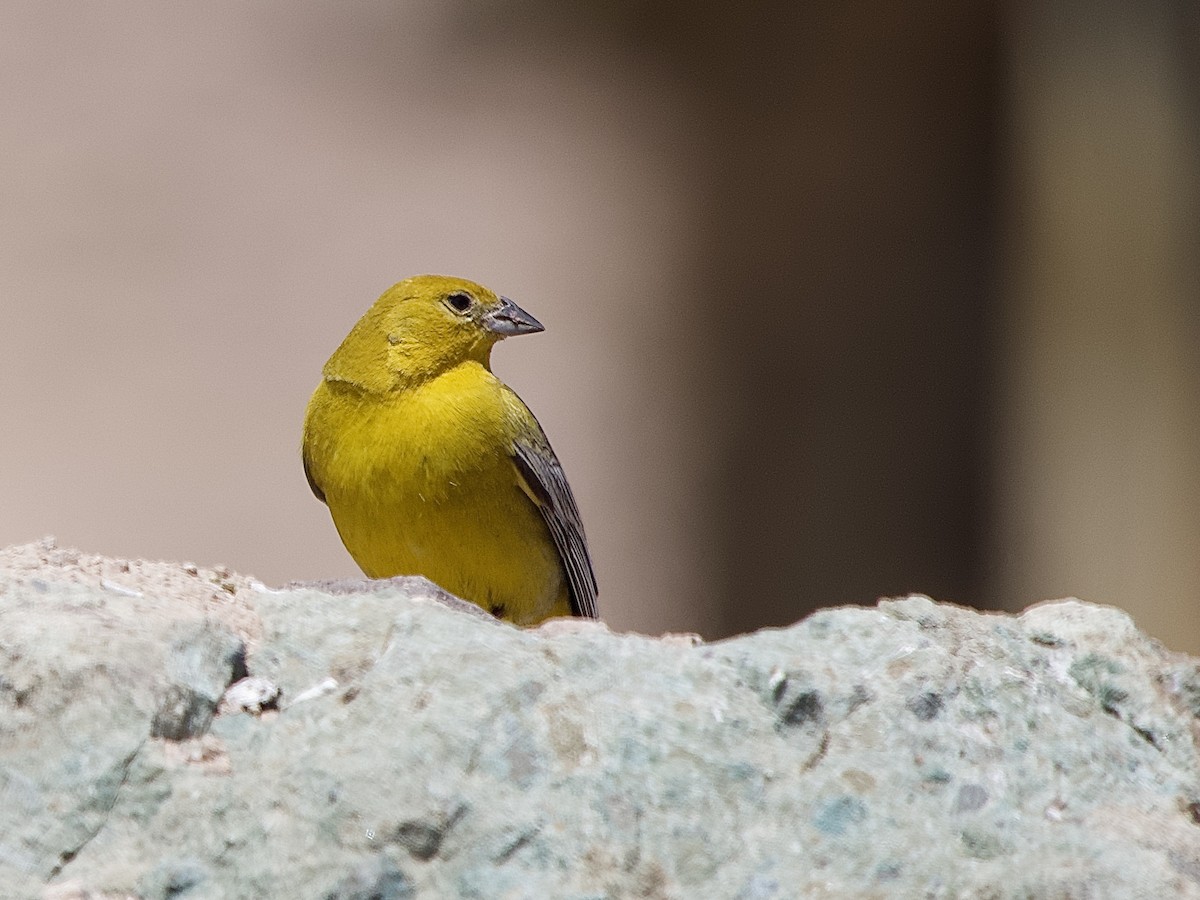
[545, 477]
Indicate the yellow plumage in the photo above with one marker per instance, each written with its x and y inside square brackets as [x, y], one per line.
[431, 466]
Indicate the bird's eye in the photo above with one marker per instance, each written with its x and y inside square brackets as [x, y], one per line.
[459, 302]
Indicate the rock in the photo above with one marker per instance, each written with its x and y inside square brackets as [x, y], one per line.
[201, 663]
[909, 749]
[252, 694]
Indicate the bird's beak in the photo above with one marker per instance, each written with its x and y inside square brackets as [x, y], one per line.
[508, 319]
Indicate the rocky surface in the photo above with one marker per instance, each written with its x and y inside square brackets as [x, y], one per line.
[397, 747]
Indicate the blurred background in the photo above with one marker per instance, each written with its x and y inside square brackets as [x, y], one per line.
[842, 300]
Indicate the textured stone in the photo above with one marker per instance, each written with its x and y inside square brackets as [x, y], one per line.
[910, 749]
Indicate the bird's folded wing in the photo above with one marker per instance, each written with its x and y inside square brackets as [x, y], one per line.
[312, 482]
[545, 482]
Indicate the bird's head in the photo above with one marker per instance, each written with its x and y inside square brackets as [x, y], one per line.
[422, 327]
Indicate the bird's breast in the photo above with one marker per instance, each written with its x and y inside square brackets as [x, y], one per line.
[429, 443]
[423, 482]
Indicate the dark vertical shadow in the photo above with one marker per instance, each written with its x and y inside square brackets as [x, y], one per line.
[844, 281]
[851, 254]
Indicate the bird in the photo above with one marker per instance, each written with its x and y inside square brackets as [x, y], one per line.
[430, 465]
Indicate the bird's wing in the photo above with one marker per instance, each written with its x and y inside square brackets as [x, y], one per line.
[545, 482]
[312, 483]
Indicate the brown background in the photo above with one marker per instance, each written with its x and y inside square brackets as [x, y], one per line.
[842, 300]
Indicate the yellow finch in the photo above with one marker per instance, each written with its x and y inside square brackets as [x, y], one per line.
[430, 465]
